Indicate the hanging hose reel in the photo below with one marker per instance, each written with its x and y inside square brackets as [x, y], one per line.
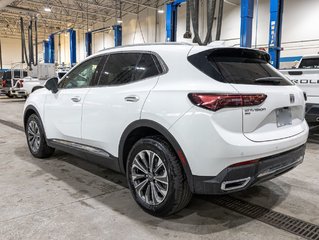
[194, 11]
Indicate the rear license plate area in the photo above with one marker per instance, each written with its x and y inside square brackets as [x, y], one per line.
[284, 117]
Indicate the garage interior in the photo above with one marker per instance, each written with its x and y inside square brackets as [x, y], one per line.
[65, 197]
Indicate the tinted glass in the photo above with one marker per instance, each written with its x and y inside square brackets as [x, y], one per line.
[82, 75]
[238, 66]
[145, 68]
[17, 74]
[119, 69]
[309, 63]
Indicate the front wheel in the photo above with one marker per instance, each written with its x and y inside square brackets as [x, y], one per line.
[9, 95]
[156, 178]
[36, 138]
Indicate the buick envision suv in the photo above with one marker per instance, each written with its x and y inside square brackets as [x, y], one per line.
[177, 119]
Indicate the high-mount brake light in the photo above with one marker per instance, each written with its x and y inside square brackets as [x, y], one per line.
[216, 102]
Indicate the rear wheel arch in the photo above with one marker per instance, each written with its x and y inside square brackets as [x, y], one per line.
[143, 128]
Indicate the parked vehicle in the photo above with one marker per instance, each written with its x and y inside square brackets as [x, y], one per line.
[306, 76]
[176, 119]
[38, 76]
[12, 86]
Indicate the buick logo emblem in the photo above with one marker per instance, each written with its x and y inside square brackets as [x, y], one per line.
[292, 98]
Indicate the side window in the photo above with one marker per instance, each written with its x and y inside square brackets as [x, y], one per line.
[146, 67]
[81, 76]
[119, 69]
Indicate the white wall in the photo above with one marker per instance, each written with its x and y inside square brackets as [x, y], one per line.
[11, 52]
[300, 32]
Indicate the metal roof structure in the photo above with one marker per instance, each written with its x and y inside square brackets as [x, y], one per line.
[64, 14]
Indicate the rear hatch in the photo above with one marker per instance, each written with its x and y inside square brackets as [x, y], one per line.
[280, 115]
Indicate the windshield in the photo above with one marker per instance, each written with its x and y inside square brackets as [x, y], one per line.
[238, 66]
[309, 63]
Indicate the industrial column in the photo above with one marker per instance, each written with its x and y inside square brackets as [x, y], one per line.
[246, 26]
[72, 46]
[171, 20]
[274, 45]
[51, 48]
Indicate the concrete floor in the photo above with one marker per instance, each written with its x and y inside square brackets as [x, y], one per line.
[67, 198]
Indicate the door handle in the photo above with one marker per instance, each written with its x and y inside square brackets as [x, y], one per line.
[76, 99]
[132, 98]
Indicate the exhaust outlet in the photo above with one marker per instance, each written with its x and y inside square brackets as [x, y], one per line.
[235, 184]
[317, 119]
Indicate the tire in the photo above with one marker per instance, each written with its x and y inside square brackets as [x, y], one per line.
[177, 193]
[9, 95]
[36, 138]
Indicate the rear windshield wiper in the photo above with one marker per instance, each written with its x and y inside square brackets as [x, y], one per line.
[273, 80]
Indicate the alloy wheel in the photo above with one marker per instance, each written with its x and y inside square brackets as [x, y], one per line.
[34, 135]
[150, 178]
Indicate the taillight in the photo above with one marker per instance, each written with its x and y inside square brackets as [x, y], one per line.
[215, 102]
[20, 84]
[4, 83]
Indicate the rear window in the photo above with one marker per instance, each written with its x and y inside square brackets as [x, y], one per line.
[17, 74]
[238, 66]
[309, 63]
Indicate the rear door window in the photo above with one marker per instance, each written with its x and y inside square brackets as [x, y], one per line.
[124, 68]
[238, 66]
[309, 63]
[119, 69]
[145, 68]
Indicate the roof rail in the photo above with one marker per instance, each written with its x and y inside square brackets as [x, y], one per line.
[148, 44]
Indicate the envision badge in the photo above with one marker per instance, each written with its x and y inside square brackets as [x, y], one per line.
[292, 98]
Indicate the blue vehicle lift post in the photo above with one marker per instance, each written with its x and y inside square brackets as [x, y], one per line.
[117, 35]
[171, 20]
[274, 45]
[51, 48]
[72, 33]
[46, 51]
[246, 26]
[88, 43]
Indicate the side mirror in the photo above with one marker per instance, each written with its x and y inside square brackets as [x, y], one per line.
[52, 85]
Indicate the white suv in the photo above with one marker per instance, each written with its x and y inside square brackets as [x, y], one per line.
[176, 119]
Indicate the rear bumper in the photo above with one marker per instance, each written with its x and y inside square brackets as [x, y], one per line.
[18, 92]
[238, 178]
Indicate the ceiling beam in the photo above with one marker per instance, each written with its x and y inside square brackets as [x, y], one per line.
[70, 9]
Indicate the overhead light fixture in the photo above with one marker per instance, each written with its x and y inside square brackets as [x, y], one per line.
[47, 9]
[119, 20]
[160, 10]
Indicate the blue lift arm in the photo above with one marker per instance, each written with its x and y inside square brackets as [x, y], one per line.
[274, 45]
[246, 26]
[171, 20]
